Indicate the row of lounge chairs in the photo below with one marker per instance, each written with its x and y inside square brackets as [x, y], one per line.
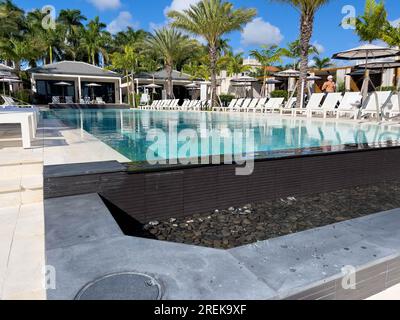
[188, 105]
[13, 112]
[320, 104]
[70, 100]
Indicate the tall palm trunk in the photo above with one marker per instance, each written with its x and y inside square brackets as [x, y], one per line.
[170, 93]
[213, 70]
[306, 30]
[51, 54]
[264, 88]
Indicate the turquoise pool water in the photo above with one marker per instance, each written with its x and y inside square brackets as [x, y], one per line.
[131, 133]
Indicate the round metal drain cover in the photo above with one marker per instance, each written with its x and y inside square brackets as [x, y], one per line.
[122, 286]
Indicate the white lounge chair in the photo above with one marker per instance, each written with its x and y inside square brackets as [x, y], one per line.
[171, 105]
[288, 107]
[69, 99]
[55, 100]
[393, 108]
[8, 101]
[244, 106]
[332, 100]
[274, 104]
[174, 104]
[313, 103]
[253, 104]
[237, 105]
[350, 104]
[240, 104]
[162, 105]
[152, 105]
[184, 106]
[370, 107]
[195, 105]
[230, 106]
[258, 106]
[99, 100]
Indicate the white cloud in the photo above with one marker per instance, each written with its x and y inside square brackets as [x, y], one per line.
[123, 21]
[395, 23]
[106, 4]
[260, 32]
[180, 5]
[320, 47]
[238, 50]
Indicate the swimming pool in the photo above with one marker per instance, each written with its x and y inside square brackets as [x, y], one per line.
[132, 133]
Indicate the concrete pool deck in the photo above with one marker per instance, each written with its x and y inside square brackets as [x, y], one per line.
[84, 243]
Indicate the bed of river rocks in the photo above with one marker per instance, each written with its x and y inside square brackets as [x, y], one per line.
[233, 227]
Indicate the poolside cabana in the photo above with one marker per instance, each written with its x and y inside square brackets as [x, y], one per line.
[78, 75]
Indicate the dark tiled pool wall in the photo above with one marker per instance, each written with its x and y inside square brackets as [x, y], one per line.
[369, 281]
[146, 196]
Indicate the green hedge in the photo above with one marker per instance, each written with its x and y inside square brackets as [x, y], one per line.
[389, 88]
[23, 95]
[279, 94]
[226, 99]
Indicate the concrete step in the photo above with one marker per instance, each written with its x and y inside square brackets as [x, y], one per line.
[10, 185]
[23, 157]
[15, 170]
[12, 199]
[17, 191]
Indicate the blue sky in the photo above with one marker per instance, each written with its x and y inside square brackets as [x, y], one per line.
[275, 23]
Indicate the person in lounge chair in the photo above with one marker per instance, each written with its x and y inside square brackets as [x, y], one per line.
[329, 86]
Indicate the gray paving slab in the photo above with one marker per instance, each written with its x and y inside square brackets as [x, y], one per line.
[184, 272]
[75, 220]
[296, 262]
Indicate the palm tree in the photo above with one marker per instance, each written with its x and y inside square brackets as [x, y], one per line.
[267, 56]
[233, 63]
[307, 9]
[371, 25]
[293, 51]
[172, 46]
[12, 25]
[19, 51]
[130, 37]
[72, 20]
[322, 63]
[224, 47]
[12, 19]
[94, 39]
[128, 62]
[52, 40]
[211, 19]
[391, 35]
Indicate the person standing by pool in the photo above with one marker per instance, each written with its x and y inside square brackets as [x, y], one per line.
[329, 86]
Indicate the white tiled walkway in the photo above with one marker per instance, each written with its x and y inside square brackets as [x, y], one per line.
[22, 255]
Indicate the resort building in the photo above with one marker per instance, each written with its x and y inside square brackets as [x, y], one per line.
[79, 81]
[179, 79]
